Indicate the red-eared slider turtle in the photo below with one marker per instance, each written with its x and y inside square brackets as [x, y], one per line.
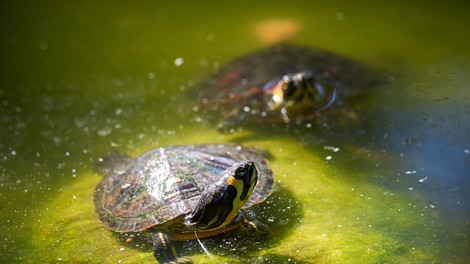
[175, 193]
[281, 84]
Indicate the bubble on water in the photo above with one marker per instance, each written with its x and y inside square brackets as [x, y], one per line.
[328, 157]
[210, 37]
[178, 61]
[423, 179]
[151, 75]
[339, 15]
[331, 148]
[118, 111]
[105, 131]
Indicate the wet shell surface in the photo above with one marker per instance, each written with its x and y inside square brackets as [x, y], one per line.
[163, 185]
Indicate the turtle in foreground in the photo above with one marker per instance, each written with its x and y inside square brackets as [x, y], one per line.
[180, 192]
[283, 84]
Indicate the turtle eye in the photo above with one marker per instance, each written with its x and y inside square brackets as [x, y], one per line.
[244, 172]
[289, 88]
[240, 173]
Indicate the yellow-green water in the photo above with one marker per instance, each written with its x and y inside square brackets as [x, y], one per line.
[84, 79]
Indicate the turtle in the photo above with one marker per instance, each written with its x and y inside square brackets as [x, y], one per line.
[179, 193]
[283, 83]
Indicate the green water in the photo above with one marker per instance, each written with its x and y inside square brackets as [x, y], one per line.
[85, 79]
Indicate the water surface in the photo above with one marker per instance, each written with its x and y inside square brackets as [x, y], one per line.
[84, 79]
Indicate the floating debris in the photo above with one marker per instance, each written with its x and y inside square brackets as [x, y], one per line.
[423, 179]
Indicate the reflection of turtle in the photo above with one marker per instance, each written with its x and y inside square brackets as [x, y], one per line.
[283, 83]
[176, 193]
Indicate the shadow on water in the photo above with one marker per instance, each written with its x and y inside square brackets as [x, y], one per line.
[238, 244]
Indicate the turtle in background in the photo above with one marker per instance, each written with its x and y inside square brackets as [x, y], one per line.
[179, 193]
[283, 84]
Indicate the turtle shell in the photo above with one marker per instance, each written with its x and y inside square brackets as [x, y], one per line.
[165, 184]
[235, 91]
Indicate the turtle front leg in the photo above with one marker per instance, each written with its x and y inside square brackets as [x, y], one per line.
[250, 225]
[164, 251]
[254, 227]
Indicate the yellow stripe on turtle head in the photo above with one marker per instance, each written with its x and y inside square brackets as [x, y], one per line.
[221, 201]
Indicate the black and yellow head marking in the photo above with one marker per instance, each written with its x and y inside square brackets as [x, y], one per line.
[300, 90]
[244, 180]
[220, 202]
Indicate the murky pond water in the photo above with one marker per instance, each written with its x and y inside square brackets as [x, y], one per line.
[81, 80]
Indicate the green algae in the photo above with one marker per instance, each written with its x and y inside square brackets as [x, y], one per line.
[312, 216]
[80, 81]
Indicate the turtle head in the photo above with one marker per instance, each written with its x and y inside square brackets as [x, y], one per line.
[220, 201]
[299, 90]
